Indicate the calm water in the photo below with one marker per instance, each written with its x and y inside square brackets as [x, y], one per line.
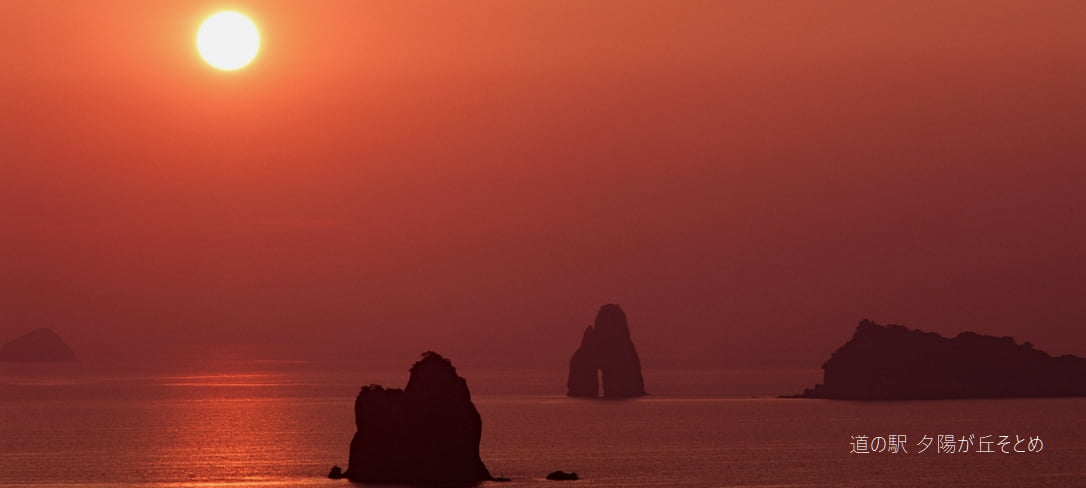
[263, 424]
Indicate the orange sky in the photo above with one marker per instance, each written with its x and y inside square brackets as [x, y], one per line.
[748, 179]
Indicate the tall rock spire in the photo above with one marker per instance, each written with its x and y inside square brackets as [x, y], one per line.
[606, 348]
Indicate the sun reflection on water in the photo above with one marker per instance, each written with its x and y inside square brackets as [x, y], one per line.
[226, 379]
[246, 440]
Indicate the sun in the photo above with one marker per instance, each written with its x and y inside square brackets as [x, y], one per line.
[228, 40]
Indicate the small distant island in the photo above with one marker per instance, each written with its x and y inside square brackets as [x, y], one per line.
[428, 432]
[606, 348]
[896, 363]
[39, 345]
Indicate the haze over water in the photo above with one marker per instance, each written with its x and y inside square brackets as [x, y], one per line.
[748, 179]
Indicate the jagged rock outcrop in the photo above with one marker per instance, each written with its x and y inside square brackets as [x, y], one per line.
[38, 345]
[896, 363]
[428, 432]
[606, 348]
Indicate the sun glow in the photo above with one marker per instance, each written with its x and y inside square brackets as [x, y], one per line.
[228, 40]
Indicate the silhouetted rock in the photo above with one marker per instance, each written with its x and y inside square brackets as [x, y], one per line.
[38, 345]
[426, 433]
[336, 473]
[896, 363]
[606, 347]
[563, 476]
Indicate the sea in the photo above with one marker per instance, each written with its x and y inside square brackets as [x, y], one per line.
[257, 423]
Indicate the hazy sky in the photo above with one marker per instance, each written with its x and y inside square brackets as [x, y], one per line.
[747, 179]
